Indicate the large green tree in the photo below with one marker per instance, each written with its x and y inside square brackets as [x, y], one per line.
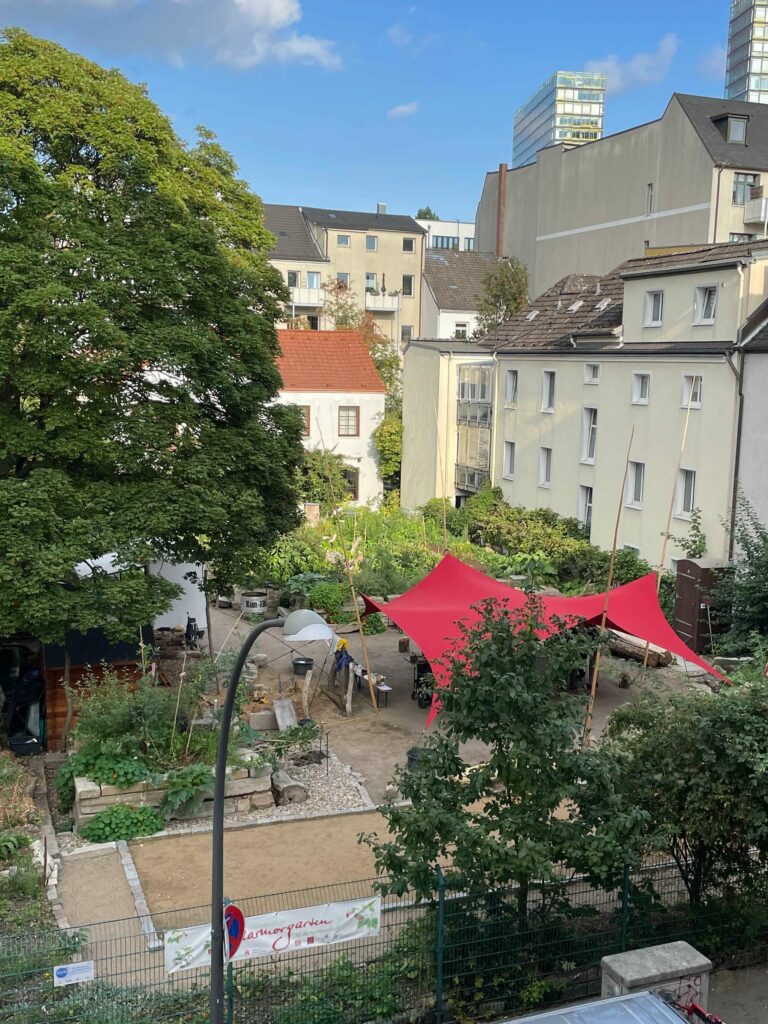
[137, 351]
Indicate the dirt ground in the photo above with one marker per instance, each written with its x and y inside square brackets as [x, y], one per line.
[175, 872]
[740, 997]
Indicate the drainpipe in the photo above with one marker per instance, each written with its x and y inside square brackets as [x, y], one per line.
[501, 209]
[717, 204]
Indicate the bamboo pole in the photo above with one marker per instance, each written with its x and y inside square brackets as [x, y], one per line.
[604, 617]
[348, 567]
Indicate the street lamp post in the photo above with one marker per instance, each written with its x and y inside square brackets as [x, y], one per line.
[300, 626]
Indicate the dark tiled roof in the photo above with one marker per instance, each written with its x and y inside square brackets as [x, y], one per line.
[722, 252]
[363, 221]
[703, 113]
[456, 278]
[582, 305]
[294, 239]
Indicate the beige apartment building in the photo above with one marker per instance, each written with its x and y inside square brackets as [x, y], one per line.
[665, 358]
[693, 177]
[377, 257]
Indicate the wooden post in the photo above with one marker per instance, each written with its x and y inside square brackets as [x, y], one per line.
[611, 565]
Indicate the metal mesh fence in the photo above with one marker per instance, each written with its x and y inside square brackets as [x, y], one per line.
[459, 956]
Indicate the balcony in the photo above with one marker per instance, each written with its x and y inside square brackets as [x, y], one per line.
[382, 303]
[310, 297]
[469, 479]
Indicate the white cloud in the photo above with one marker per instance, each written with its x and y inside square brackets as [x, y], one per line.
[239, 33]
[642, 69]
[403, 110]
[399, 35]
[712, 62]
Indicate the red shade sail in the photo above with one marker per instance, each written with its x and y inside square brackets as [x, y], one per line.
[431, 612]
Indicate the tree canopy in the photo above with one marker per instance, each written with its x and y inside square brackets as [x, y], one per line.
[426, 213]
[505, 292]
[137, 351]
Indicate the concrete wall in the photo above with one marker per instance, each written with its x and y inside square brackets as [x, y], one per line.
[753, 470]
[442, 323]
[679, 298]
[358, 452]
[191, 602]
[658, 435]
[460, 229]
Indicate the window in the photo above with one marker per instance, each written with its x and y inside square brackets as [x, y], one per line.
[635, 484]
[510, 387]
[408, 284]
[370, 282]
[631, 547]
[737, 130]
[589, 435]
[342, 241]
[409, 245]
[742, 184]
[352, 476]
[545, 467]
[371, 243]
[294, 278]
[685, 500]
[304, 410]
[313, 279]
[343, 279]
[509, 459]
[406, 332]
[349, 421]
[469, 245]
[313, 322]
[641, 388]
[705, 304]
[649, 199]
[692, 388]
[654, 308]
[592, 373]
[585, 506]
[445, 242]
[461, 332]
[741, 236]
[548, 391]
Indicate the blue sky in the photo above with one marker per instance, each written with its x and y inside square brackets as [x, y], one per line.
[347, 103]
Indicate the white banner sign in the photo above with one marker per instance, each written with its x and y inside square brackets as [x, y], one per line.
[72, 974]
[282, 932]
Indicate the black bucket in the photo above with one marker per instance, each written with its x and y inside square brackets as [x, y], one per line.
[302, 665]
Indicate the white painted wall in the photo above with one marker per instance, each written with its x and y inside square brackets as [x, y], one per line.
[191, 602]
[753, 470]
[358, 452]
[463, 229]
[442, 323]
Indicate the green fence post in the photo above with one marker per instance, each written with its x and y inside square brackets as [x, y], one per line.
[230, 995]
[624, 907]
[439, 946]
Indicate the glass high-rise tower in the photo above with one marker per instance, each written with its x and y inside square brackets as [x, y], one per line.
[568, 108]
[746, 76]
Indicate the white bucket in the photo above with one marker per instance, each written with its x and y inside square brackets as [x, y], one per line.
[255, 602]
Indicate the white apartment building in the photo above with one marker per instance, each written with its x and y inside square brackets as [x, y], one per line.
[458, 235]
[665, 358]
[331, 378]
[453, 284]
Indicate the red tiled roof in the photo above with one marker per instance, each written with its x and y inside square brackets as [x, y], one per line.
[327, 361]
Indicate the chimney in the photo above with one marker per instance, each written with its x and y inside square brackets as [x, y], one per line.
[381, 208]
[501, 209]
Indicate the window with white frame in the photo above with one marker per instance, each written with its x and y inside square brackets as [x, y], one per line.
[548, 391]
[294, 278]
[370, 281]
[408, 280]
[342, 277]
[654, 308]
[510, 387]
[589, 435]
[635, 484]
[545, 467]
[641, 388]
[742, 188]
[585, 506]
[371, 243]
[509, 459]
[692, 391]
[406, 332]
[409, 245]
[685, 498]
[460, 331]
[705, 304]
[313, 279]
[592, 373]
[342, 241]
[631, 547]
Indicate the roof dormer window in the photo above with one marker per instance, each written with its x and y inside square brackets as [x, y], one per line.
[737, 130]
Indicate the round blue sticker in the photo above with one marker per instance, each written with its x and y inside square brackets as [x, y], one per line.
[62, 972]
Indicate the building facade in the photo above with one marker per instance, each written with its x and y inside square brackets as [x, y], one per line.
[661, 364]
[449, 234]
[453, 284]
[746, 76]
[378, 258]
[331, 378]
[568, 109]
[686, 179]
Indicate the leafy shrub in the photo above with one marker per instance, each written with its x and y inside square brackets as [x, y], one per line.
[121, 822]
[103, 768]
[11, 843]
[187, 788]
[373, 624]
[328, 596]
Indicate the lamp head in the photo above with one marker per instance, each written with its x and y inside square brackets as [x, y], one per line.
[304, 625]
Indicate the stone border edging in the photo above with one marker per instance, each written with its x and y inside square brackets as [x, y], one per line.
[154, 942]
[48, 841]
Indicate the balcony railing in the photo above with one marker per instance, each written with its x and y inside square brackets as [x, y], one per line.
[307, 296]
[468, 479]
[382, 303]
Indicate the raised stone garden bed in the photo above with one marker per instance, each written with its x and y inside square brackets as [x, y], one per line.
[246, 789]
